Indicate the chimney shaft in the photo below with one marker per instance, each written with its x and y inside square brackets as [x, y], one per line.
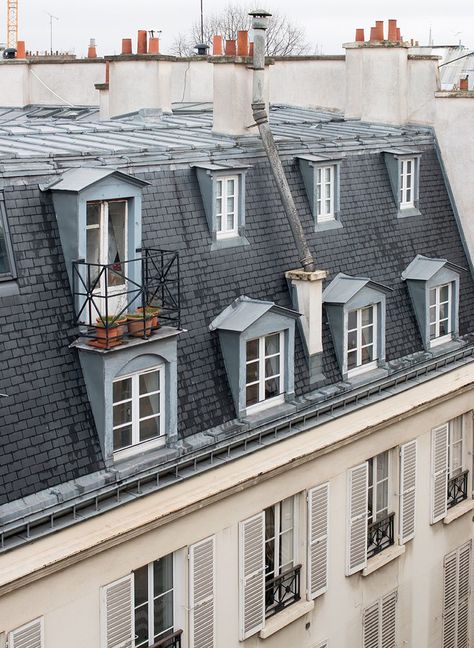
[20, 50]
[92, 50]
[360, 36]
[142, 42]
[126, 45]
[154, 46]
[242, 43]
[217, 48]
[230, 48]
[392, 30]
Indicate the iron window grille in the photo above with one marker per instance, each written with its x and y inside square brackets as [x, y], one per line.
[380, 534]
[282, 591]
[457, 489]
[172, 641]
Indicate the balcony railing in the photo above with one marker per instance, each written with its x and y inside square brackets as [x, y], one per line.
[171, 641]
[282, 591]
[457, 489]
[380, 535]
[127, 299]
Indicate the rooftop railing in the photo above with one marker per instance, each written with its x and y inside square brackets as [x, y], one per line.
[126, 299]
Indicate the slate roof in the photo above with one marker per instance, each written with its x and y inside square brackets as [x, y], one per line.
[47, 432]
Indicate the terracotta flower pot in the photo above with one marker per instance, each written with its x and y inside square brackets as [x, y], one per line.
[138, 327]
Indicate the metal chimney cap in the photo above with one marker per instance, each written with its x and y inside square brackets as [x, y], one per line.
[201, 48]
[260, 13]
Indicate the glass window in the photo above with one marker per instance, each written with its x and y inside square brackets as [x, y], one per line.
[455, 447]
[325, 190]
[154, 601]
[378, 487]
[137, 408]
[6, 256]
[264, 368]
[106, 242]
[226, 207]
[407, 178]
[440, 313]
[361, 337]
[279, 542]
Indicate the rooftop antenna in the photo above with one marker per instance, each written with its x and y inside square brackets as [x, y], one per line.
[51, 18]
[152, 32]
[430, 39]
[202, 23]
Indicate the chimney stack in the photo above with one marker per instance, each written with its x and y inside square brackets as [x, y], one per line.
[360, 36]
[217, 48]
[20, 50]
[142, 42]
[92, 50]
[154, 46]
[242, 43]
[230, 48]
[126, 46]
[392, 30]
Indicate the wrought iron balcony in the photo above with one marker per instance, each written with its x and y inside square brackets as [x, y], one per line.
[380, 535]
[457, 489]
[127, 299]
[282, 591]
[171, 641]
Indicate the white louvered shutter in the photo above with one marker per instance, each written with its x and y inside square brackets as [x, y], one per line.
[371, 626]
[407, 491]
[31, 635]
[117, 614]
[464, 590]
[439, 472]
[450, 600]
[252, 575]
[318, 542]
[202, 594]
[389, 620]
[356, 543]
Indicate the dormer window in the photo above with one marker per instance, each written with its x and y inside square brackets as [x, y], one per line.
[223, 196]
[403, 166]
[7, 268]
[355, 308]
[321, 180]
[264, 369]
[433, 285]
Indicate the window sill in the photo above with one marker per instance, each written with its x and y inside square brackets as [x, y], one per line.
[325, 226]
[408, 211]
[457, 511]
[367, 376]
[383, 558]
[8, 288]
[231, 242]
[285, 617]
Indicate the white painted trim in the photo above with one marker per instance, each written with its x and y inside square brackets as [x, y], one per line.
[225, 233]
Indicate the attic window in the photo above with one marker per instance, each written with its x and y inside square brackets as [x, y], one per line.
[403, 168]
[321, 180]
[223, 195]
[7, 267]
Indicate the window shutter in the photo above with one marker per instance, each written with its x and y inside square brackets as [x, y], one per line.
[202, 594]
[117, 614]
[407, 491]
[439, 472]
[464, 591]
[371, 626]
[389, 620]
[356, 544]
[31, 635]
[318, 523]
[450, 600]
[252, 575]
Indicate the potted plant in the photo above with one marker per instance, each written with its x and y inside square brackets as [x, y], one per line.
[109, 331]
[140, 323]
[153, 311]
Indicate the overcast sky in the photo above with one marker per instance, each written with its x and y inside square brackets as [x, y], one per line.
[327, 24]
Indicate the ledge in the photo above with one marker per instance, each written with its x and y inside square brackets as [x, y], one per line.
[383, 558]
[285, 617]
[458, 510]
[328, 226]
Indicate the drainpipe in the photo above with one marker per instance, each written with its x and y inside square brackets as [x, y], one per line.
[259, 26]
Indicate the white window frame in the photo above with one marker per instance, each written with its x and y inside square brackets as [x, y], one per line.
[325, 191]
[151, 601]
[225, 232]
[103, 227]
[137, 445]
[362, 367]
[455, 471]
[407, 183]
[274, 400]
[376, 485]
[449, 336]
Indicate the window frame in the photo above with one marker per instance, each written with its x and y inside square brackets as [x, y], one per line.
[440, 339]
[11, 273]
[455, 472]
[138, 446]
[280, 397]
[407, 183]
[325, 216]
[362, 367]
[373, 462]
[224, 232]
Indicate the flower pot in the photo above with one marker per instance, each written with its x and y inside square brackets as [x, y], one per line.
[138, 327]
[109, 333]
[152, 312]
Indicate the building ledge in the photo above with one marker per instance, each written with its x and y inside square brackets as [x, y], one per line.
[383, 558]
[458, 510]
[285, 617]
[160, 334]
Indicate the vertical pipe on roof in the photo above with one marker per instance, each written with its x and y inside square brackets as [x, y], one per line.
[259, 27]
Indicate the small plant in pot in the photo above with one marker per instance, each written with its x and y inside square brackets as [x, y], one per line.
[140, 323]
[109, 331]
[153, 311]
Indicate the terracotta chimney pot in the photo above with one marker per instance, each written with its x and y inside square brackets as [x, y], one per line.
[230, 48]
[464, 83]
[20, 49]
[373, 34]
[126, 45]
[92, 50]
[242, 43]
[217, 48]
[360, 37]
[392, 30]
[154, 46]
[142, 42]
[379, 30]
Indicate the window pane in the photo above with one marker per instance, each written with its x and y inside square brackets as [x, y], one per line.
[92, 254]
[382, 499]
[352, 340]
[163, 614]
[141, 585]
[149, 382]
[252, 395]
[116, 254]
[123, 413]
[432, 314]
[219, 188]
[286, 550]
[230, 221]
[455, 430]
[252, 372]
[443, 294]
[4, 262]
[272, 366]
[122, 390]
[382, 466]
[269, 523]
[141, 626]
[219, 223]
[286, 514]
[432, 296]
[352, 359]
[432, 331]
[230, 205]
[443, 328]
[272, 344]
[328, 174]
[367, 316]
[367, 354]
[163, 574]
[443, 311]
[93, 214]
[230, 187]
[149, 429]
[149, 405]
[272, 387]
[352, 320]
[371, 471]
[367, 335]
[252, 350]
[123, 437]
